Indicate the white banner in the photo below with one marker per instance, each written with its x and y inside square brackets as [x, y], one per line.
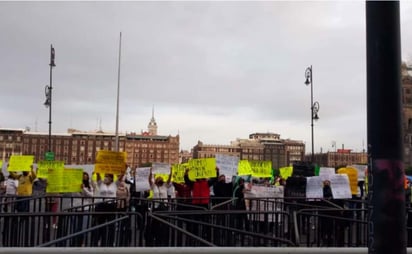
[325, 173]
[314, 187]
[142, 179]
[227, 165]
[160, 168]
[263, 192]
[339, 184]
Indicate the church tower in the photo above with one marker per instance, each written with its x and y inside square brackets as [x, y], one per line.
[152, 127]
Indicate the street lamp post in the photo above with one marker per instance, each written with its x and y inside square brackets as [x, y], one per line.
[48, 93]
[314, 106]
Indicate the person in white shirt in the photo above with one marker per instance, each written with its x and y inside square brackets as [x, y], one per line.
[106, 202]
[159, 188]
[80, 202]
[158, 231]
[11, 185]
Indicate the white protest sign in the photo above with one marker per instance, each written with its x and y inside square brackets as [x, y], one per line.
[227, 165]
[160, 168]
[314, 187]
[325, 173]
[339, 184]
[142, 179]
[270, 192]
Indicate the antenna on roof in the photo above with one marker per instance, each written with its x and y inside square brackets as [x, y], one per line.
[100, 124]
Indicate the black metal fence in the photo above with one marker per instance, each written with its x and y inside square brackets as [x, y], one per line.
[66, 221]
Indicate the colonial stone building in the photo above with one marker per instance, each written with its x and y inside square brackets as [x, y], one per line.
[79, 147]
[341, 157]
[259, 146]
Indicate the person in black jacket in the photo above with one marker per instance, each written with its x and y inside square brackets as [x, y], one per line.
[241, 220]
[222, 190]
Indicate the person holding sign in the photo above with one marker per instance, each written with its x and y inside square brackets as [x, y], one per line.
[107, 191]
[332, 227]
[10, 186]
[183, 195]
[159, 187]
[200, 190]
[200, 198]
[222, 190]
[82, 204]
[25, 190]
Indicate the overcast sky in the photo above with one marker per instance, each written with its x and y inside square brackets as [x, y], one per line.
[214, 71]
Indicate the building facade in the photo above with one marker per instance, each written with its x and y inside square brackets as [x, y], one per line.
[259, 146]
[77, 147]
[11, 141]
[146, 148]
[341, 157]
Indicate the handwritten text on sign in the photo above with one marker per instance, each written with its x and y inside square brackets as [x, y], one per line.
[203, 168]
[20, 163]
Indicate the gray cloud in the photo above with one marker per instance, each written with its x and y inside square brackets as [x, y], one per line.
[215, 71]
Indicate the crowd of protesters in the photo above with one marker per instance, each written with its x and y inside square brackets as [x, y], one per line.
[107, 196]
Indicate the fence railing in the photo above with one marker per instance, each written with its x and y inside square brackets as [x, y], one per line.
[61, 221]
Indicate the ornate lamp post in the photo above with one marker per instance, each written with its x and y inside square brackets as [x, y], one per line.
[48, 93]
[314, 106]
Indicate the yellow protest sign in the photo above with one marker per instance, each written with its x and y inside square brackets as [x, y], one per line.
[110, 157]
[178, 172]
[203, 168]
[353, 178]
[285, 172]
[110, 162]
[1, 164]
[165, 177]
[20, 163]
[44, 166]
[191, 175]
[64, 181]
[244, 168]
[261, 168]
[94, 177]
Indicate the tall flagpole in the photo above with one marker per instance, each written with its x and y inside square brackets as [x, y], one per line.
[118, 90]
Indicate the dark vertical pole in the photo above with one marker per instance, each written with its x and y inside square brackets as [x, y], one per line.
[50, 94]
[118, 91]
[311, 113]
[386, 225]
